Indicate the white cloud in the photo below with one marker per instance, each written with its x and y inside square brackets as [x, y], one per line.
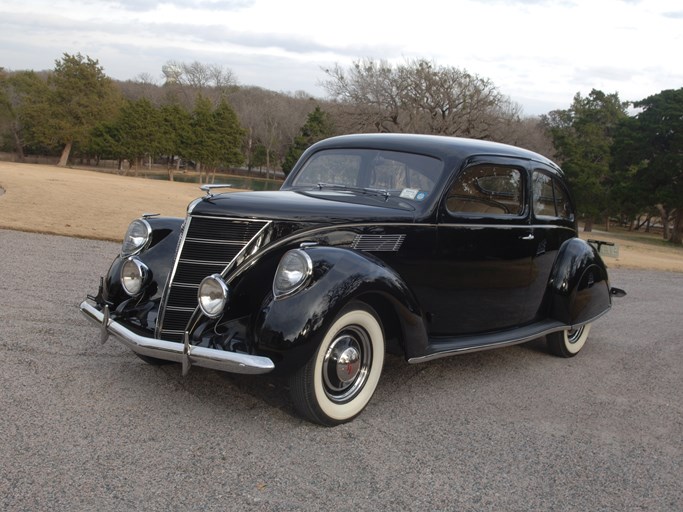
[539, 52]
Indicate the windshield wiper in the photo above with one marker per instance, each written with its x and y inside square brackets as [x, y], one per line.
[361, 190]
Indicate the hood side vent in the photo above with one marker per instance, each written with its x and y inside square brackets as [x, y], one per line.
[378, 243]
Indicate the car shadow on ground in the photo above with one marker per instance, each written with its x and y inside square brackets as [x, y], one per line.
[267, 391]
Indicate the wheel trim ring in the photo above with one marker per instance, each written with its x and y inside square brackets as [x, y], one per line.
[337, 391]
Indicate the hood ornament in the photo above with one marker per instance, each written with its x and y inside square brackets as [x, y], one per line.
[209, 188]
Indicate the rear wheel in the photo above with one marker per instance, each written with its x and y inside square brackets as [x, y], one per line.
[569, 342]
[339, 380]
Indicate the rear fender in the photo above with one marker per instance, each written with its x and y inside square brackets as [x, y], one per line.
[578, 289]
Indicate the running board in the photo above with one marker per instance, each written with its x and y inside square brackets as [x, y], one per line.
[445, 347]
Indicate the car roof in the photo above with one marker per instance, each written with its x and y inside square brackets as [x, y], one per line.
[440, 146]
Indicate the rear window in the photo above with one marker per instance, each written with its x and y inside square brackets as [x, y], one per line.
[550, 198]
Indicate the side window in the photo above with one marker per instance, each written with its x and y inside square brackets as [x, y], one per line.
[550, 198]
[487, 190]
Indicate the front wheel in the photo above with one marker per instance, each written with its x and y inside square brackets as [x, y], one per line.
[339, 380]
[569, 342]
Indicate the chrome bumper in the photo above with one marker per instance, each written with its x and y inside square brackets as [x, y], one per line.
[183, 353]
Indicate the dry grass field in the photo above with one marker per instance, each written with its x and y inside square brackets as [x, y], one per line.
[89, 204]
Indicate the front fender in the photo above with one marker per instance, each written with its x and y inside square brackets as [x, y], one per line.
[158, 257]
[295, 325]
[578, 288]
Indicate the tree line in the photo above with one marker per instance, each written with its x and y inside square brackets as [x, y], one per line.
[620, 165]
[623, 166]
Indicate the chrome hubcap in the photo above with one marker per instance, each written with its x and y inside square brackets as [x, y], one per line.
[346, 364]
[573, 335]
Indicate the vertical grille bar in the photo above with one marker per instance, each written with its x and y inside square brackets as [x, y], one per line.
[208, 246]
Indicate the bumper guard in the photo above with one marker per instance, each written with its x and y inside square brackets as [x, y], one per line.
[183, 353]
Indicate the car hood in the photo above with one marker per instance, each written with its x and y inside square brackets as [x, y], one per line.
[305, 206]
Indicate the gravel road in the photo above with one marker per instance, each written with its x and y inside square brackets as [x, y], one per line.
[85, 426]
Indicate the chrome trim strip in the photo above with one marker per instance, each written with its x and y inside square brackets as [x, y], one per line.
[184, 353]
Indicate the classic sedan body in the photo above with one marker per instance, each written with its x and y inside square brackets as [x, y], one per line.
[422, 245]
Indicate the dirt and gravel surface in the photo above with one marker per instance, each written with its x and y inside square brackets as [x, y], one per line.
[76, 202]
[86, 426]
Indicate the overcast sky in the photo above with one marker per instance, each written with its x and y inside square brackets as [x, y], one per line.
[538, 52]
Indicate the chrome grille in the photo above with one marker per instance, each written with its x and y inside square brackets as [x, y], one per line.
[209, 245]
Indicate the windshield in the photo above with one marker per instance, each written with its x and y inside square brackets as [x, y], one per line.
[386, 174]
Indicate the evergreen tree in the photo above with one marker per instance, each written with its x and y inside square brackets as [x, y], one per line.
[200, 144]
[217, 136]
[175, 133]
[583, 136]
[138, 130]
[318, 126]
[16, 89]
[649, 150]
[229, 135]
[80, 97]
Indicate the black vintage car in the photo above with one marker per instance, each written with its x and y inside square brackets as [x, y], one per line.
[428, 246]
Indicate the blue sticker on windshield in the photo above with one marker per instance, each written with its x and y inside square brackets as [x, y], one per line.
[420, 196]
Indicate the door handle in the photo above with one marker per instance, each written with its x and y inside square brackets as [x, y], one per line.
[530, 236]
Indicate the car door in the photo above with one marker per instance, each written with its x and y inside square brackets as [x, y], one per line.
[485, 248]
[553, 223]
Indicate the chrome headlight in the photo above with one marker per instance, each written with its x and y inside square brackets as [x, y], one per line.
[137, 237]
[133, 276]
[213, 295]
[292, 273]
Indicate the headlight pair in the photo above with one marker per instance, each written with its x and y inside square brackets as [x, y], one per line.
[292, 273]
[213, 294]
[134, 273]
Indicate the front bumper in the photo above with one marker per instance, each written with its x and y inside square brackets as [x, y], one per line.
[183, 353]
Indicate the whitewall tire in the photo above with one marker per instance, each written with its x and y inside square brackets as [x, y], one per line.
[569, 342]
[339, 380]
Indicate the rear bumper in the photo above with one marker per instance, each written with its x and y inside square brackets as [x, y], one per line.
[183, 353]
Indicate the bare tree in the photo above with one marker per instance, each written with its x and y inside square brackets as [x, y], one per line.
[369, 92]
[187, 80]
[417, 96]
[198, 75]
[272, 120]
[526, 132]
